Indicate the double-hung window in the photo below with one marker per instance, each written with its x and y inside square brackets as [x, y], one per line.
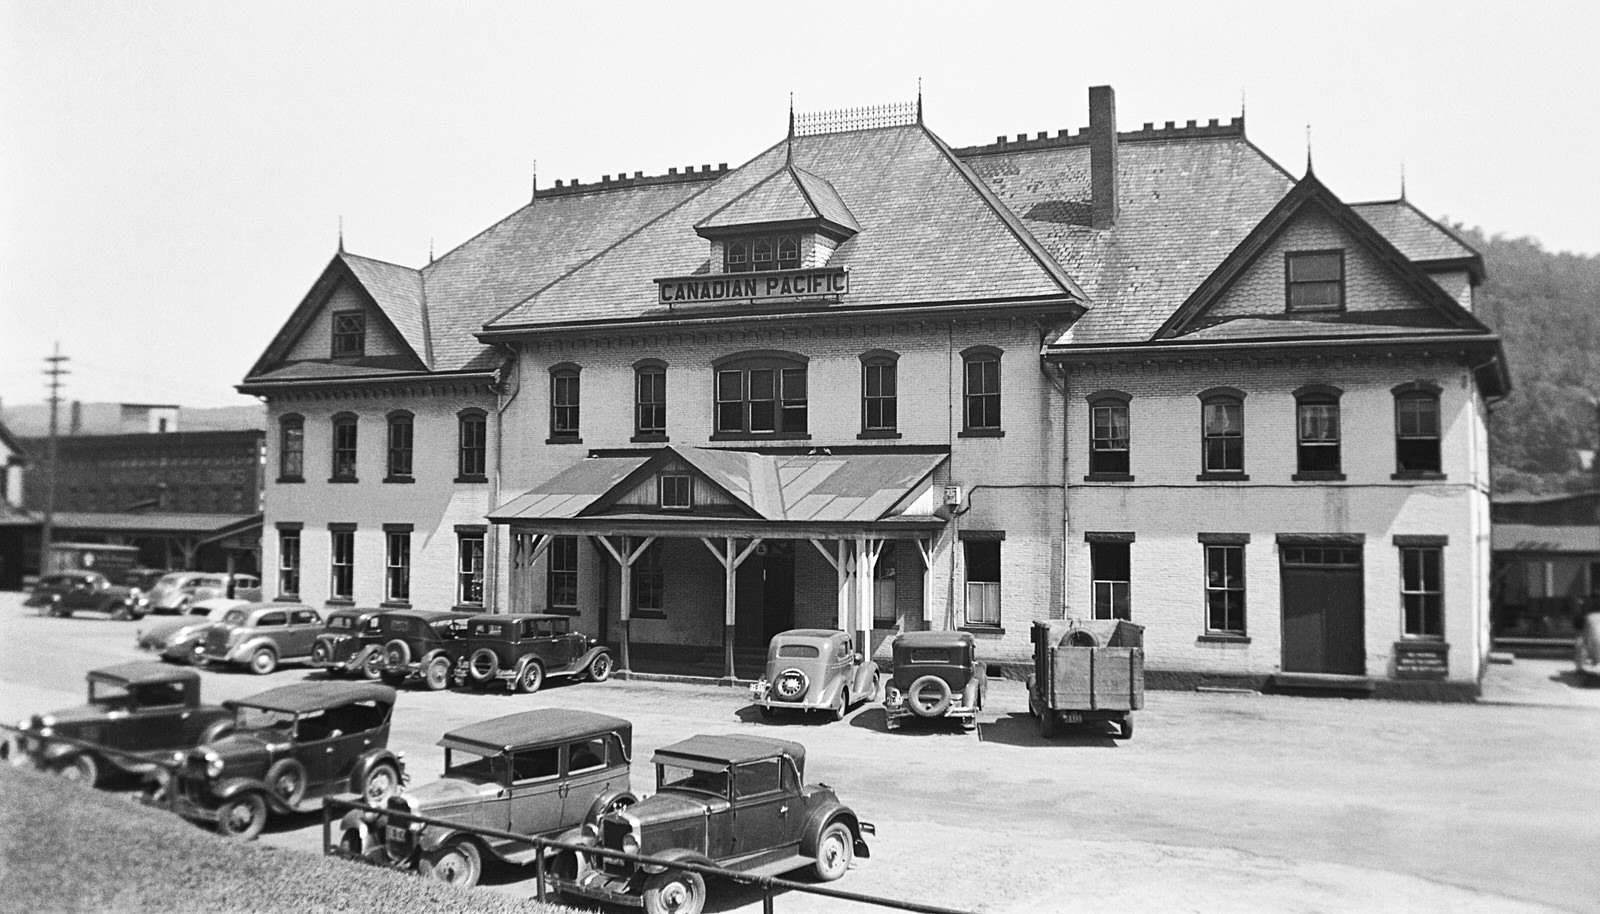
[1314, 281]
[291, 448]
[472, 445]
[1317, 431]
[762, 252]
[983, 581]
[342, 562]
[563, 576]
[879, 394]
[1422, 591]
[761, 394]
[397, 563]
[344, 448]
[1109, 434]
[1416, 420]
[469, 567]
[289, 562]
[564, 403]
[1225, 589]
[349, 334]
[650, 400]
[1110, 573]
[1222, 432]
[650, 581]
[980, 391]
[399, 451]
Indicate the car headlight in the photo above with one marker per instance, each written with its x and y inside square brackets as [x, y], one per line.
[213, 764]
[630, 843]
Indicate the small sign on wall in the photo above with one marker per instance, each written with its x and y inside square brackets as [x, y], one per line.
[1421, 660]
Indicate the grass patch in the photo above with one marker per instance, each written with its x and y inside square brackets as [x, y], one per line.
[65, 848]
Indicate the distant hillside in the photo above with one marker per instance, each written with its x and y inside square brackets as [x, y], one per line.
[1546, 307]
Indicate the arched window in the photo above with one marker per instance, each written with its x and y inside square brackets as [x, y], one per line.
[344, 448]
[738, 256]
[649, 399]
[1222, 432]
[292, 448]
[980, 389]
[760, 394]
[564, 402]
[398, 461]
[472, 447]
[788, 252]
[1110, 433]
[879, 393]
[1416, 429]
[1317, 433]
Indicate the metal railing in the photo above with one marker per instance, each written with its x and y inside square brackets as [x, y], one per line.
[768, 884]
[143, 758]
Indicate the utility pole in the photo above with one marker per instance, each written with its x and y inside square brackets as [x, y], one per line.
[55, 371]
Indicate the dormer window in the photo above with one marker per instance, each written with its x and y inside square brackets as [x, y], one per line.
[763, 252]
[676, 492]
[349, 334]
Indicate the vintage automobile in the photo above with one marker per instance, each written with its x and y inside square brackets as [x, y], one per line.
[532, 773]
[168, 596]
[423, 644]
[936, 675]
[521, 649]
[738, 802]
[290, 747]
[178, 640]
[813, 669]
[261, 636]
[351, 642]
[1086, 670]
[67, 592]
[235, 585]
[148, 709]
[145, 579]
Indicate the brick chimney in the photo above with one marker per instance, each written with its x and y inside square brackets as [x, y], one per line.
[1102, 157]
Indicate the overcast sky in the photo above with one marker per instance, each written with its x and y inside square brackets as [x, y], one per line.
[173, 174]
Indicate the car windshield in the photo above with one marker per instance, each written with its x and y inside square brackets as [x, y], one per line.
[107, 694]
[195, 609]
[805, 651]
[234, 617]
[248, 718]
[341, 623]
[469, 766]
[706, 780]
[489, 629]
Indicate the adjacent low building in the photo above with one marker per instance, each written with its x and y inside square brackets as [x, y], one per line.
[869, 381]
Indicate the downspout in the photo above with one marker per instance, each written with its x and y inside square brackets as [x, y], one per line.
[953, 534]
[502, 402]
[1058, 582]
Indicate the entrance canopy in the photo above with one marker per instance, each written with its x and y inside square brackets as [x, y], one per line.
[686, 491]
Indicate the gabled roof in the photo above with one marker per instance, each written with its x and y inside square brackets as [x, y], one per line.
[397, 291]
[1310, 192]
[1422, 239]
[808, 488]
[789, 196]
[932, 233]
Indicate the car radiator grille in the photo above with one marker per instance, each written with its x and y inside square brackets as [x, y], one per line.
[217, 643]
[611, 834]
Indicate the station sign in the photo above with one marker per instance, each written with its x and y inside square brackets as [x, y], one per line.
[774, 285]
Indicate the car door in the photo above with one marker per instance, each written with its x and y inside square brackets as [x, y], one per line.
[84, 592]
[764, 814]
[330, 743]
[549, 645]
[153, 720]
[304, 627]
[591, 771]
[536, 790]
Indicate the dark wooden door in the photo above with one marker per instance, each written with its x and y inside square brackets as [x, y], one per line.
[1323, 610]
[765, 596]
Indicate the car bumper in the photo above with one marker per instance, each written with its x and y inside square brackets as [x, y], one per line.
[897, 710]
[594, 885]
[761, 695]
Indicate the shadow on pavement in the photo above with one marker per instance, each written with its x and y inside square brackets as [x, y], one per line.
[1574, 679]
[1022, 729]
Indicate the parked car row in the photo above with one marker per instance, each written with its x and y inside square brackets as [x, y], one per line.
[733, 801]
[135, 593]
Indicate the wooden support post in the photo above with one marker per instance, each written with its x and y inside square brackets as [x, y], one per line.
[625, 557]
[731, 559]
[925, 550]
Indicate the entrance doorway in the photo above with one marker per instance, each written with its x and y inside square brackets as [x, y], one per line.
[765, 600]
[1324, 614]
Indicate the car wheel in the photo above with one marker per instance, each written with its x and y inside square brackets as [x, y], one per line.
[197, 655]
[287, 781]
[600, 667]
[79, 769]
[242, 817]
[835, 850]
[381, 783]
[457, 863]
[916, 697]
[121, 613]
[396, 653]
[319, 656]
[531, 677]
[437, 675]
[263, 661]
[1049, 723]
[155, 791]
[675, 892]
[844, 705]
[372, 667]
[1125, 730]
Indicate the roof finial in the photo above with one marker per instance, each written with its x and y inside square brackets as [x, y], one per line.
[788, 145]
[430, 249]
[1402, 180]
[919, 100]
[1308, 150]
[341, 234]
[535, 194]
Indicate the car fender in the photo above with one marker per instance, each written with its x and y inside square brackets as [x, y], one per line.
[828, 695]
[433, 655]
[232, 787]
[372, 757]
[605, 801]
[866, 674]
[676, 855]
[824, 816]
[241, 652]
[54, 752]
[434, 837]
[582, 663]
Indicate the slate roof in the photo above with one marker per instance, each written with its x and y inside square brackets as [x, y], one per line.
[1184, 206]
[398, 292]
[1420, 238]
[855, 488]
[789, 194]
[930, 233]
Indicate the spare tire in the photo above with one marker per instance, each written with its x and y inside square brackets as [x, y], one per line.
[485, 663]
[396, 653]
[791, 685]
[917, 697]
[1080, 637]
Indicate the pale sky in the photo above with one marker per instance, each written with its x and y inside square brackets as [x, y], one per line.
[173, 173]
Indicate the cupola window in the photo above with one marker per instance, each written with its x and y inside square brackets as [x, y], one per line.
[763, 252]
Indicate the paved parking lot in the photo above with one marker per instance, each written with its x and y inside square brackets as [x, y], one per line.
[1222, 802]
